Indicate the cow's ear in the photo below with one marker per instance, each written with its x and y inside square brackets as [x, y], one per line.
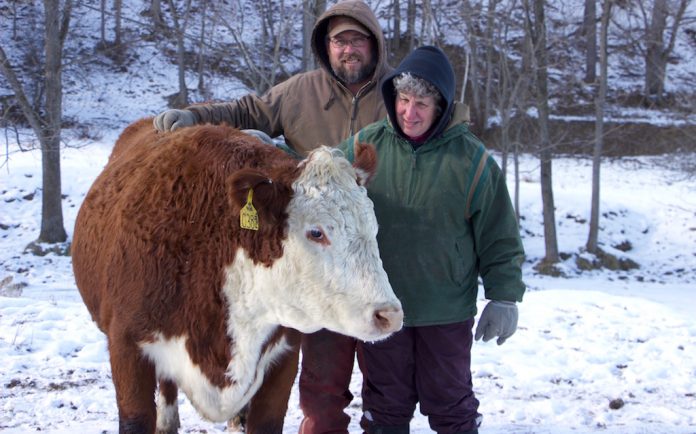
[269, 198]
[365, 162]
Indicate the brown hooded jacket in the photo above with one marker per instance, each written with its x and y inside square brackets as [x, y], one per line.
[312, 108]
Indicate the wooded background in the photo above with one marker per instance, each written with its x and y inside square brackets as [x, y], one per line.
[540, 76]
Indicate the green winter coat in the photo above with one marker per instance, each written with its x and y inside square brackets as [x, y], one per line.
[437, 234]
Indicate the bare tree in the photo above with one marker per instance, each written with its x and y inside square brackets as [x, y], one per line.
[46, 122]
[102, 23]
[118, 10]
[156, 14]
[201, 50]
[470, 13]
[411, 24]
[311, 10]
[592, 245]
[589, 28]
[262, 58]
[490, 54]
[657, 52]
[396, 39]
[536, 27]
[509, 94]
[428, 34]
[508, 91]
[180, 20]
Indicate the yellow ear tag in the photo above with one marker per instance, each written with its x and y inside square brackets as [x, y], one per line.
[248, 217]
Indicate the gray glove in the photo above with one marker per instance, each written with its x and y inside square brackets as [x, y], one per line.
[499, 318]
[171, 120]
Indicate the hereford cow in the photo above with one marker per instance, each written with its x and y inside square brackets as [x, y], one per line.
[201, 253]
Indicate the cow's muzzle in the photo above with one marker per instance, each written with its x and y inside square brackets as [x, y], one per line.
[388, 319]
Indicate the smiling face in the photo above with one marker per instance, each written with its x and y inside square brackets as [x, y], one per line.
[351, 58]
[415, 114]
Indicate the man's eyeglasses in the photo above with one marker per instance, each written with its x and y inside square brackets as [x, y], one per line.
[358, 42]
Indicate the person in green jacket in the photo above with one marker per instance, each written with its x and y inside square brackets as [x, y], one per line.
[445, 219]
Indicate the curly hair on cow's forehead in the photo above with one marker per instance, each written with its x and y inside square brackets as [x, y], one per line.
[411, 84]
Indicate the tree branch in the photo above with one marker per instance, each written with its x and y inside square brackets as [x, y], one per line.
[34, 120]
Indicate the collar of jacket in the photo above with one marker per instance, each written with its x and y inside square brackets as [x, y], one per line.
[336, 86]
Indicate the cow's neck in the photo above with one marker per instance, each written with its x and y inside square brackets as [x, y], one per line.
[251, 326]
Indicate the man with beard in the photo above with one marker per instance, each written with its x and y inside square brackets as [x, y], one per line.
[320, 107]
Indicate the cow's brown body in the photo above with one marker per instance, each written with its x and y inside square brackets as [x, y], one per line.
[183, 292]
[172, 282]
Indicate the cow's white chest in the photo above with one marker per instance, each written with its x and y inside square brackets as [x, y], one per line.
[246, 370]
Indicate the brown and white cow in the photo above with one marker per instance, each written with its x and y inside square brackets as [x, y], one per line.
[192, 300]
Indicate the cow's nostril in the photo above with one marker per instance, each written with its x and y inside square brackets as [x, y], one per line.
[388, 320]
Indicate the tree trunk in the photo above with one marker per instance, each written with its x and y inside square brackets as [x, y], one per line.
[308, 20]
[473, 49]
[201, 51]
[538, 35]
[427, 19]
[655, 62]
[180, 25]
[102, 23]
[516, 199]
[156, 14]
[592, 245]
[657, 53]
[490, 51]
[118, 7]
[52, 229]
[589, 27]
[411, 24]
[317, 8]
[396, 40]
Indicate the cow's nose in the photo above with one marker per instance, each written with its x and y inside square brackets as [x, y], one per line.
[388, 319]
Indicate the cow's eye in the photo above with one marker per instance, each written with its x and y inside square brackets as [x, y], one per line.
[318, 236]
[315, 234]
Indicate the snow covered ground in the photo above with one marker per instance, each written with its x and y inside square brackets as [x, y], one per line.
[600, 351]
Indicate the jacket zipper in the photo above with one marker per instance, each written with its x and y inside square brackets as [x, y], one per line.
[353, 115]
[354, 108]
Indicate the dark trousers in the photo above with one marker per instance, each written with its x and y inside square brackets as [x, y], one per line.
[430, 365]
[327, 368]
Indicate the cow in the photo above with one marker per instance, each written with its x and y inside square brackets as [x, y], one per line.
[202, 254]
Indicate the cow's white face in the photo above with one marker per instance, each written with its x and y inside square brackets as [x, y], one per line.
[331, 275]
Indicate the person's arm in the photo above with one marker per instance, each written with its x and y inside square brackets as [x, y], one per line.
[497, 237]
[248, 112]
[500, 252]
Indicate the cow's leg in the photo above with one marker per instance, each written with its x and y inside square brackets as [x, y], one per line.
[134, 381]
[167, 408]
[238, 423]
[266, 410]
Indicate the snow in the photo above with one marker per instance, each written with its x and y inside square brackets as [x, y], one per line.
[583, 341]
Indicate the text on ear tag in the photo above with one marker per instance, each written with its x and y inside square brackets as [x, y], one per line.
[248, 217]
